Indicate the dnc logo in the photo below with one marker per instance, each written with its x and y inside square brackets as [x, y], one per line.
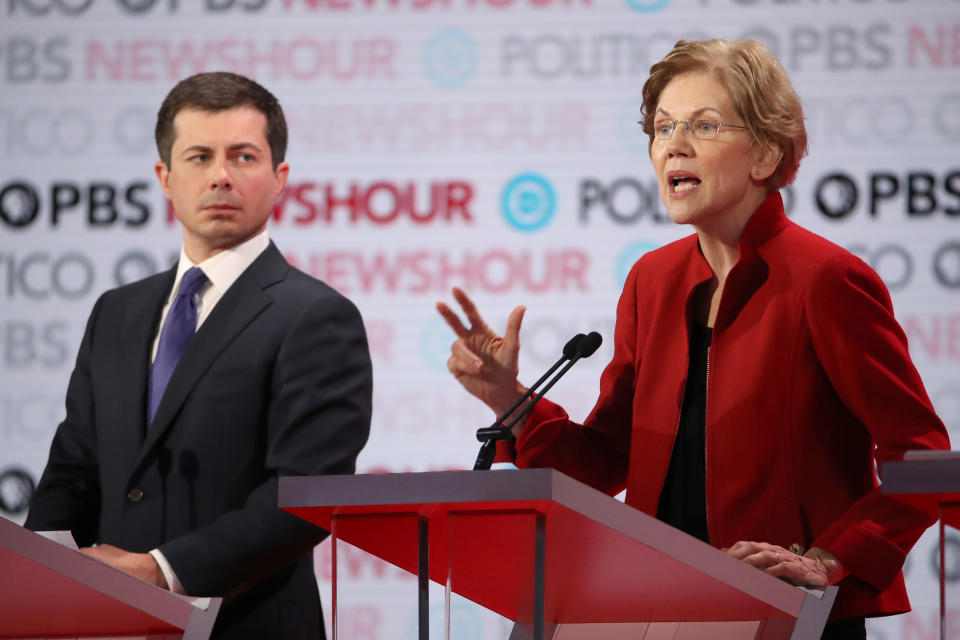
[648, 6]
[450, 58]
[528, 202]
[435, 340]
[629, 256]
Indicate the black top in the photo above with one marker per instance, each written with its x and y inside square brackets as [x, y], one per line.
[683, 502]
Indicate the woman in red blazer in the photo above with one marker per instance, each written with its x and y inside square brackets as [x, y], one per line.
[758, 370]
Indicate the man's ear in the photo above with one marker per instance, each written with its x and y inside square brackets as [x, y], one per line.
[767, 160]
[163, 175]
[281, 174]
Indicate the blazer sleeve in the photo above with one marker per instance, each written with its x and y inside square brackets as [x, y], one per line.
[317, 423]
[864, 352]
[68, 494]
[597, 452]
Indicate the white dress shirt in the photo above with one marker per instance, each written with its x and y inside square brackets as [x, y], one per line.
[222, 270]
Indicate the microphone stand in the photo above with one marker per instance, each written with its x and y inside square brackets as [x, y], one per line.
[495, 431]
[577, 347]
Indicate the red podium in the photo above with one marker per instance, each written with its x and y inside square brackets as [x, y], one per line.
[559, 558]
[51, 591]
[929, 480]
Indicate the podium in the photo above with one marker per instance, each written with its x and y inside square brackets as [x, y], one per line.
[51, 591]
[929, 480]
[557, 557]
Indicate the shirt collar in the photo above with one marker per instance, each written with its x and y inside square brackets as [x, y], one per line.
[223, 269]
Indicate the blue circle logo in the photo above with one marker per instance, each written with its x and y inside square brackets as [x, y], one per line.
[435, 340]
[450, 58]
[629, 256]
[647, 6]
[630, 133]
[528, 202]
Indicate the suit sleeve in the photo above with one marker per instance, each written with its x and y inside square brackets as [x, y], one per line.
[864, 353]
[317, 423]
[597, 452]
[68, 494]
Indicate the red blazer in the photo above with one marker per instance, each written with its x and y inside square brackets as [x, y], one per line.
[809, 380]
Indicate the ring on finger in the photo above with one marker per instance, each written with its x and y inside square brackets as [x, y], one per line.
[778, 557]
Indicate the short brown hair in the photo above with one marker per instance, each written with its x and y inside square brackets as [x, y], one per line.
[221, 91]
[759, 89]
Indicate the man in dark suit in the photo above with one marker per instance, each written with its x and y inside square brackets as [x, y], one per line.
[195, 389]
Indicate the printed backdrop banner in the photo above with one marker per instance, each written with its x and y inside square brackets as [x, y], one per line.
[488, 144]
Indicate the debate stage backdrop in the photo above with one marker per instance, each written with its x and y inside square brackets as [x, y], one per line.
[490, 144]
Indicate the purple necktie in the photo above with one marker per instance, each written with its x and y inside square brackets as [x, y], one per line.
[178, 330]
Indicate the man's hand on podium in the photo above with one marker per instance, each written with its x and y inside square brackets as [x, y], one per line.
[816, 568]
[138, 565]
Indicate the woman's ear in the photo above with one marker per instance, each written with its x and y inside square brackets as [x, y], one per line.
[767, 160]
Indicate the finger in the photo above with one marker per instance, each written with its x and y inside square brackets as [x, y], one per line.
[453, 321]
[798, 573]
[477, 322]
[782, 571]
[467, 360]
[743, 548]
[771, 556]
[760, 560]
[96, 554]
[512, 334]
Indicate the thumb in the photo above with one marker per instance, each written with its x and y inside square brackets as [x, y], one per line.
[512, 335]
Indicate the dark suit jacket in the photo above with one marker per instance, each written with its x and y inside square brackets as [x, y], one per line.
[276, 382]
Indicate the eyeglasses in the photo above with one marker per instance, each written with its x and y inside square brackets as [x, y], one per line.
[702, 129]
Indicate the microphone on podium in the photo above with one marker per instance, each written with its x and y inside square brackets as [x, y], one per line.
[577, 347]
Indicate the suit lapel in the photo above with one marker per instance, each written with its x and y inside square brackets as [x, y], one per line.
[140, 320]
[243, 302]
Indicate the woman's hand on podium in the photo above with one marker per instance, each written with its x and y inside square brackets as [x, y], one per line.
[486, 364]
[815, 568]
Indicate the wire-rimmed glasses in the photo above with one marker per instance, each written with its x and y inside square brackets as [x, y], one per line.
[700, 128]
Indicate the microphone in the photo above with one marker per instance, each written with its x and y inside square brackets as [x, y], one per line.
[588, 346]
[579, 346]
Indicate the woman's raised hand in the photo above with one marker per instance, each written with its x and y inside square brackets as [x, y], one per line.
[485, 364]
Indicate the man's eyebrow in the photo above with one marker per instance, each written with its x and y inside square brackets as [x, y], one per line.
[196, 148]
[243, 145]
[234, 147]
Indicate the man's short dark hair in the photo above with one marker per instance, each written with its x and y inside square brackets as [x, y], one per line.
[220, 91]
